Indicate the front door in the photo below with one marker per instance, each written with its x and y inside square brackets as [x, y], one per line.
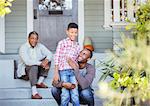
[51, 18]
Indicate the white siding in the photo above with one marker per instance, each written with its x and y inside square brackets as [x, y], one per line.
[15, 26]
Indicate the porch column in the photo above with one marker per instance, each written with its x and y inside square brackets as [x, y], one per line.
[2, 34]
[81, 22]
[130, 10]
[107, 14]
[29, 16]
[116, 5]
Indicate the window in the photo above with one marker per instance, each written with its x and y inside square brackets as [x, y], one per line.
[118, 11]
[55, 6]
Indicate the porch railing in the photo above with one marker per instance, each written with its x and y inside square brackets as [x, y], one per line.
[118, 11]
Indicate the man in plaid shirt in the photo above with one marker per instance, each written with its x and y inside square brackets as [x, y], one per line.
[67, 48]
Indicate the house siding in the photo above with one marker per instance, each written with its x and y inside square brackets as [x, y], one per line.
[16, 26]
[94, 21]
[118, 32]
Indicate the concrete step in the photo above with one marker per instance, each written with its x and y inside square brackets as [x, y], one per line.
[25, 93]
[31, 102]
[28, 102]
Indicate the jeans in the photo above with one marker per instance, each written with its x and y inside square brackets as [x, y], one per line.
[86, 96]
[68, 76]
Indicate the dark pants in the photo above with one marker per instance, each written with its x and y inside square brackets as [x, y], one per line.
[86, 96]
[34, 72]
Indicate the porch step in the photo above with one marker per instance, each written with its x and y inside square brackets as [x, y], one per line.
[25, 93]
[28, 102]
[31, 102]
[22, 97]
[16, 92]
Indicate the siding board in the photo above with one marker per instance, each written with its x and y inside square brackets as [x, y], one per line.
[15, 26]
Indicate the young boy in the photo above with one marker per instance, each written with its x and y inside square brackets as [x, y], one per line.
[67, 48]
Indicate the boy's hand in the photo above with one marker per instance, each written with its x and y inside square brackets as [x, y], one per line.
[56, 74]
[73, 64]
[68, 85]
[56, 77]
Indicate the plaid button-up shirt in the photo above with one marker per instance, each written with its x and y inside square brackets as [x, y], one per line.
[66, 48]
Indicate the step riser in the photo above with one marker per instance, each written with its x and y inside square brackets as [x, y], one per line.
[23, 93]
[43, 102]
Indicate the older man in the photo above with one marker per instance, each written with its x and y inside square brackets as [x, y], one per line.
[34, 63]
[84, 73]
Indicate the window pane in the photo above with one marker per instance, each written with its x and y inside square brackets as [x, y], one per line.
[55, 5]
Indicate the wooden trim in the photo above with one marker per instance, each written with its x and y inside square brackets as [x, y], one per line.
[81, 22]
[107, 14]
[2, 34]
[29, 16]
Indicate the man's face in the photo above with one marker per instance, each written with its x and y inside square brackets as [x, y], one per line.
[33, 40]
[84, 56]
[72, 33]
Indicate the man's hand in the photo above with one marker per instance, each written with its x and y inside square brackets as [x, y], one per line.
[44, 63]
[47, 67]
[68, 85]
[73, 64]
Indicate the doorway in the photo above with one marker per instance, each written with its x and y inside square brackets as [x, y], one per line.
[51, 18]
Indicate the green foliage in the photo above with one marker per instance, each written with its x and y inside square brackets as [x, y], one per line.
[108, 68]
[141, 29]
[130, 68]
[5, 7]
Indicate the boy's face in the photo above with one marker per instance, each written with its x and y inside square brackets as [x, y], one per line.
[72, 33]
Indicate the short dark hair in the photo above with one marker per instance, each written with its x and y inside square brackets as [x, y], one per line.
[91, 53]
[72, 25]
[33, 32]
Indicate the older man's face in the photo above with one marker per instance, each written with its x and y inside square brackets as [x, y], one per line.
[33, 40]
[84, 55]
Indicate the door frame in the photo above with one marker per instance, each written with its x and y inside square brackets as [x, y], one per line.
[29, 16]
[80, 19]
[2, 34]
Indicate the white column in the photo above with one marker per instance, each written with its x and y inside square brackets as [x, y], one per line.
[81, 22]
[107, 13]
[123, 11]
[130, 10]
[2, 34]
[29, 16]
[116, 5]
